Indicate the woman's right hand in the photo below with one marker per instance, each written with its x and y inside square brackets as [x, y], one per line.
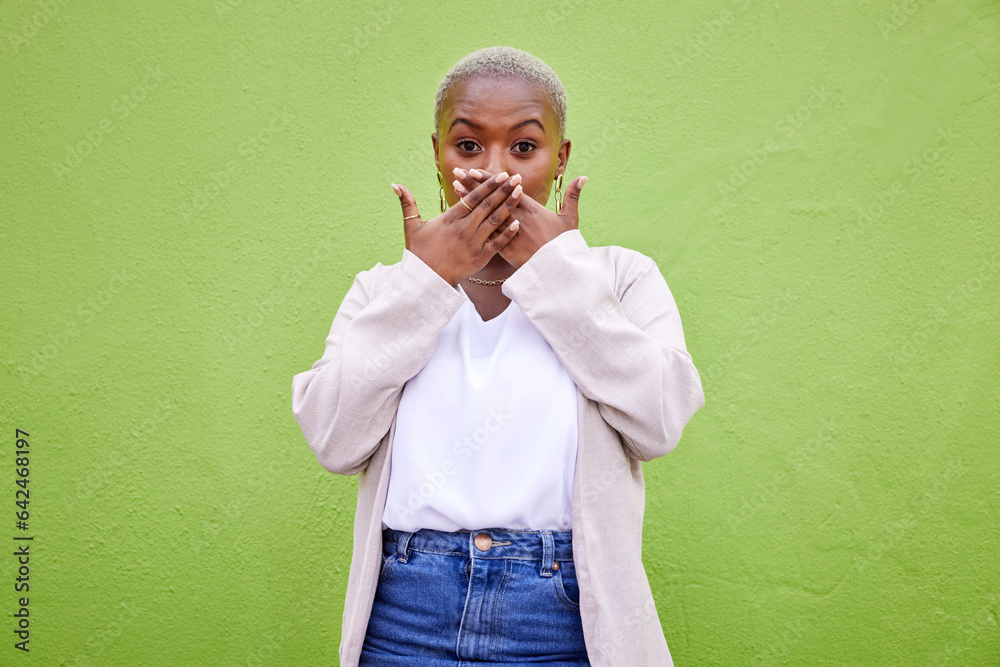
[459, 242]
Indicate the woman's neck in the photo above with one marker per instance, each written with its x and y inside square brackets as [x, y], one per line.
[489, 300]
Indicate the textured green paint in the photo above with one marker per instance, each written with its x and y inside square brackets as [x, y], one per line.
[817, 181]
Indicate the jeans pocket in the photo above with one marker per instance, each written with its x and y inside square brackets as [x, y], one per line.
[387, 563]
[567, 589]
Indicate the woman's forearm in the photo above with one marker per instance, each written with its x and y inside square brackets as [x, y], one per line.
[382, 335]
[618, 335]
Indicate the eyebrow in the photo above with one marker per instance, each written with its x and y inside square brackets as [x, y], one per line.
[480, 127]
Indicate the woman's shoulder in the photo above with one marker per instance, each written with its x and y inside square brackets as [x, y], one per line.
[623, 259]
[409, 268]
[378, 277]
[624, 264]
[615, 259]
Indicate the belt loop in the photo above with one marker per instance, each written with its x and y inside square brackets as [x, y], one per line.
[548, 553]
[403, 545]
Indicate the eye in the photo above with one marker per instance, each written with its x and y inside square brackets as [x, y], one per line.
[467, 145]
[524, 147]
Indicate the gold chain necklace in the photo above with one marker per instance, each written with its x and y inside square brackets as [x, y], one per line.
[485, 282]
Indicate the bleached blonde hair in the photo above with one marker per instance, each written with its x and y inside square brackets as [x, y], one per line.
[505, 61]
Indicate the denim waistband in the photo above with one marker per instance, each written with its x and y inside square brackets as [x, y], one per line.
[547, 546]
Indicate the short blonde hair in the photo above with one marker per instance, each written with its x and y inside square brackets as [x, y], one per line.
[505, 61]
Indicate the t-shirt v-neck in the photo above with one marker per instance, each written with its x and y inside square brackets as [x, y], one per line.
[482, 336]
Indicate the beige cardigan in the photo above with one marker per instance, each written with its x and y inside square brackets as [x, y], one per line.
[611, 319]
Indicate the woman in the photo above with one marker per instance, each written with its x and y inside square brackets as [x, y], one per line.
[497, 391]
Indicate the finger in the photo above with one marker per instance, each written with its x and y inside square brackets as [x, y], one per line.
[464, 184]
[406, 201]
[500, 214]
[477, 175]
[471, 178]
[482, 200]
[502, 237]
[571, 204]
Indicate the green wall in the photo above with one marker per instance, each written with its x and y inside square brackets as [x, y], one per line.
[188, 189]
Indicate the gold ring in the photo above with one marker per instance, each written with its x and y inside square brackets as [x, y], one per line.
[462, 199]
[415, 215]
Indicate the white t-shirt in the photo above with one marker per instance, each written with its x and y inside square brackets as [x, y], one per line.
[486, 432]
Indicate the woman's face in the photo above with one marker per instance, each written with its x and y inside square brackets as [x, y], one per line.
[500, 124]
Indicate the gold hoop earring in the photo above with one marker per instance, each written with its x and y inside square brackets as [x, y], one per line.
[559, 199]
[441, 191]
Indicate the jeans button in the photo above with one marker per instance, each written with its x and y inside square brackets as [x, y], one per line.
[483, 542]
[555, 567]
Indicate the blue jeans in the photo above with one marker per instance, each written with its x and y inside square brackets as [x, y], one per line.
[504, 597]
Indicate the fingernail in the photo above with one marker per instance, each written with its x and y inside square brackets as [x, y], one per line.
[515, 179]
[459, 172]
[395, 188]
[475, 173]
[514, 225]
[456, 184]
[516, 193]
[501, 177]
[583, 181]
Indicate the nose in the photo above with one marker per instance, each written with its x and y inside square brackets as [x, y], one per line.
[496, 160]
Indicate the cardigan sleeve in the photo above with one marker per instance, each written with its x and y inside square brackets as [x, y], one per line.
[382, 335]
[620, 338]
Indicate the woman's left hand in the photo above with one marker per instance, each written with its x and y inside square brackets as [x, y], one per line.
[538, 225]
